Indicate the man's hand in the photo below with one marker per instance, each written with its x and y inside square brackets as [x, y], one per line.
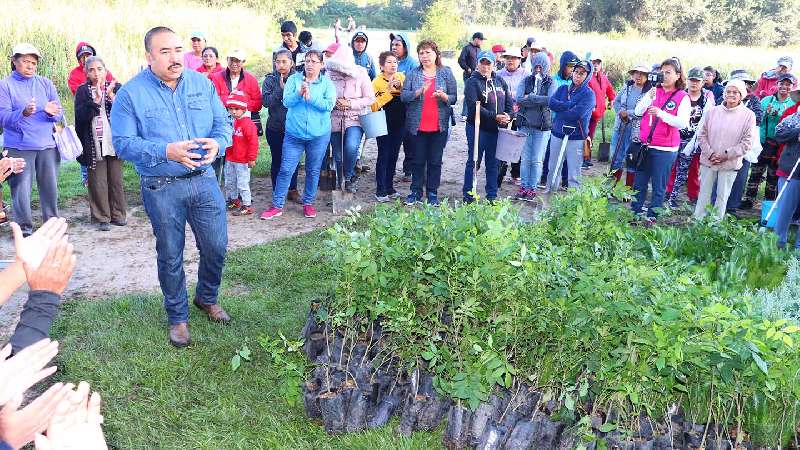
[76, 423]
[55, 270]
[30, 108]
[26, 368]
[52, 108]
[251, 164]
[211, 146]
[32, 249]
[181, 152]
[18, 427]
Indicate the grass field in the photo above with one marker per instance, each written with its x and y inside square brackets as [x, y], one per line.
[158, 397]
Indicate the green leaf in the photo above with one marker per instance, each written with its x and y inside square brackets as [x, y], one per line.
[427, 256]
[236, 361]
[760, 363]
[660, 363]
[607, 427]
[569, 402]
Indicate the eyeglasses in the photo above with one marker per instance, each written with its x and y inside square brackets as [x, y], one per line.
[313, 61]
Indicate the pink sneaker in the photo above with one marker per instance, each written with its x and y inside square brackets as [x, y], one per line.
[309, 211]
[271, 213]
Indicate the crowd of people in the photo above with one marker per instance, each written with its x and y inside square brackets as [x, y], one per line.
[186, 122]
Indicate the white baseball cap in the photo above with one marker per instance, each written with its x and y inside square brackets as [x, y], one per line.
[25, 48]
[238, 54]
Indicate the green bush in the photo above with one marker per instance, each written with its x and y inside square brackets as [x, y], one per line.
[580, 304]
[391, 17]
[443, 24]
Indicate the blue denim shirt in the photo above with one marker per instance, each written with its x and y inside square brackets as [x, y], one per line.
[148, 115]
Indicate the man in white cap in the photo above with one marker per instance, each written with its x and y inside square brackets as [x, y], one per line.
[194, 59]
[768, 83]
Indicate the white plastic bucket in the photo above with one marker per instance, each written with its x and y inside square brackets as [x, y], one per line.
[374, 124]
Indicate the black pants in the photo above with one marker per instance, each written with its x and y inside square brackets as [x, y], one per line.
[427, 168]
[757, 174]
[408, 151]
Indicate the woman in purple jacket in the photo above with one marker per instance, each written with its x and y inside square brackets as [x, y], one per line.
[29, 108]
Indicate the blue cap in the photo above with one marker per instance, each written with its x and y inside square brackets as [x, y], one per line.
[486, 55]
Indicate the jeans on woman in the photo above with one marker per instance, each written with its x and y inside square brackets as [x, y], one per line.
[533, 156]
[487, 148]
[293, 149]
[427, 170]
[788, 204]
[654, 173]
[275, 142]
[620, 142]
[388, 151]
[352, 142]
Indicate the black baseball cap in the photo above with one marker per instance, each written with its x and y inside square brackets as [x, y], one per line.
[478, 35]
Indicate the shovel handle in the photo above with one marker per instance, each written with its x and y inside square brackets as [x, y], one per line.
[475, 146]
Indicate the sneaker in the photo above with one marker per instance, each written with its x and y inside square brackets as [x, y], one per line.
[382, 198]
[351, 186]
[530, 195]
[234, 204]
[395, 194]
[518, 181]
[244, 211]
[406, 178]
[271, 213]
[413, 199]
[309, 211]
[433, 199]
[522, 194]
[104, 226]
[463, 118]
[542, 185]
[746, 204]
[294, 196]
[649, 222]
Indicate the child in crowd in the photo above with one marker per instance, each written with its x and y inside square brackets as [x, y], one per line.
[240, 157]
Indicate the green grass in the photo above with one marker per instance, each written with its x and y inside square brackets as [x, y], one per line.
[159, 397]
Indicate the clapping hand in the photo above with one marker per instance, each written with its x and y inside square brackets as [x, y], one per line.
[52, 108]
[55, 270]
[30, 108]
[10, 166]
[18, 427]
[26, 368]
[32, 249]
[76, 423]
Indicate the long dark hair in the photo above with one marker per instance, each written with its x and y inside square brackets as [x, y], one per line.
[431, 45]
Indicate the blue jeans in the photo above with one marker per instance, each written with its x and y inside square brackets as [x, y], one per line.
[487, 147]
[621, 138]
[532, 157]
[388, 151]
[293, 148]
[654, 173]
[170, 203]
[352, 142]
[427, 168]
[275, 142]
[790, 200]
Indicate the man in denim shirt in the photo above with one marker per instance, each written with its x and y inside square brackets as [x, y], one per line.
[171, 124]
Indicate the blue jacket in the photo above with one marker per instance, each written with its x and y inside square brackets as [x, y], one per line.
[414, 81]
[309, 119]
[573, 106]
[363, 59]
[408, 63]
[34, 132]
[148, 115]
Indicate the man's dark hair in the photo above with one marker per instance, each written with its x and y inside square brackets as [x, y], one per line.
[148, 37]
[305, 37]
[289, 27]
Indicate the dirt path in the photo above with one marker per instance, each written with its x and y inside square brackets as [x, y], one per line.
[123, 260]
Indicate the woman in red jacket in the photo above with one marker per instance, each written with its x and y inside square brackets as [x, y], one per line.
[604, 94]
[235, 78]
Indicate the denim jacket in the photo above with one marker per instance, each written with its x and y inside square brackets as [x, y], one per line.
[416, 80]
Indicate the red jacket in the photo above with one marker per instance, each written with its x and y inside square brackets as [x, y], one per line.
[217, 68]
[603, 93]
[77, 76]
[245, 142]
[247, 84]
[789, 111]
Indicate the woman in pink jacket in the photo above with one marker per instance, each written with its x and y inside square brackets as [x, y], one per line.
[354, 93]
[724, 138]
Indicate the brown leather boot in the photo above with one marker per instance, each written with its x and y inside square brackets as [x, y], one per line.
[179, 335]
[215, 312]
[294, 196]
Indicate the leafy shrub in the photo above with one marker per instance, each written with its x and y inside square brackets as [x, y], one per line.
[391, 17]
[581, 305]
[443, 24]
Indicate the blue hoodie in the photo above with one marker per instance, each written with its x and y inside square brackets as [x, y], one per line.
[408, 63]
[566, 57]
[308, 119]
[362, 58]
[573, 106]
